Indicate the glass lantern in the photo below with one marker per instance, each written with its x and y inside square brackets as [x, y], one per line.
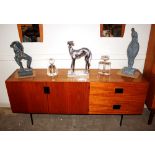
[52, 70]
[104, 66]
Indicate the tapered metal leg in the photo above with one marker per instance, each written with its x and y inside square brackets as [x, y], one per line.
[121, 120]
[31, 119]
[151, 117]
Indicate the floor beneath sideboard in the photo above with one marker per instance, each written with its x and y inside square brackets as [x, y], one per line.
[43, 122]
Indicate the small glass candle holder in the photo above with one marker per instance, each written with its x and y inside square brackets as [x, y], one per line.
[104, 66]
[52, 70]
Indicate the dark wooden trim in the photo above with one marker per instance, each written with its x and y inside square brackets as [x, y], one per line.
[20, 32]
[123, 30]
[101, 30]
[41, 32]
[150, 55]
[149, 73]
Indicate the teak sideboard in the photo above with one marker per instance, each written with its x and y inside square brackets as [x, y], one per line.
[95, 94]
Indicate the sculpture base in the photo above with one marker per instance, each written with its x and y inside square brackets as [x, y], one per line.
[78, 73]
[128, 71]
[25, 73]
[135, 73]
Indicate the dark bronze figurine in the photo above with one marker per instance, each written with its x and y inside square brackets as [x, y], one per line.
[19, 55]
[77, 54]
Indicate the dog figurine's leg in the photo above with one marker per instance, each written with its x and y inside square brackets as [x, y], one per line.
[73, 65]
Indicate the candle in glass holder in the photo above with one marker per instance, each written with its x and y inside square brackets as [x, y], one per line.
[104, 66]
[51, 70]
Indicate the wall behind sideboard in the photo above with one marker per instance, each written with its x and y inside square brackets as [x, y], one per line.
[55, 46]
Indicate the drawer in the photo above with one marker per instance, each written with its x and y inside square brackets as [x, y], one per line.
[118, 89]
[123, 98]
[112, 106]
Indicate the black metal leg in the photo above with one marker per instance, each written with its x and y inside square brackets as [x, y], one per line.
[121, 120]
[31, 119]
[151, 117]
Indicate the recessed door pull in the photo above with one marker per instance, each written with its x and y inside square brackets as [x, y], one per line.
[116, 107]
[119, 90]
[46, 90]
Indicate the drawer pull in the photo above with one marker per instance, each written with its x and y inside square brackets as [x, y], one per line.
[116, 107]
[119, 90]
[46, 90]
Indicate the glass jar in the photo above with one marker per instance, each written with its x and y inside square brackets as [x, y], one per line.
[52, 70]
[104, 66]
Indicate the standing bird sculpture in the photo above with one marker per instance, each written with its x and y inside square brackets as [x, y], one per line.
[132, 52]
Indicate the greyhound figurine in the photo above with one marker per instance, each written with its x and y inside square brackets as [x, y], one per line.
[77, 54]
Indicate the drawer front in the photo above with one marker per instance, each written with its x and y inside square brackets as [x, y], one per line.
[125, 91]
[100, 105]
[117, 98]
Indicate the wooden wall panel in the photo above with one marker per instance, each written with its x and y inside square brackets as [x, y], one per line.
[149, 68]
[150, 57]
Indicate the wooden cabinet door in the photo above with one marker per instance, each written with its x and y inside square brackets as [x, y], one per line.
[27, 97]
[69, 97]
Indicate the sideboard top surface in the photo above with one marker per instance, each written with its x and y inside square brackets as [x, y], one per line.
[40, 75]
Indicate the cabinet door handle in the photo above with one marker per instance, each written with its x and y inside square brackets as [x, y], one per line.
[116, 107]
[119, 90]
[46, 90]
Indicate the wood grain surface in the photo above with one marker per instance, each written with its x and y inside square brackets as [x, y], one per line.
[103, 97]
[27, 97]
[69, 97]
